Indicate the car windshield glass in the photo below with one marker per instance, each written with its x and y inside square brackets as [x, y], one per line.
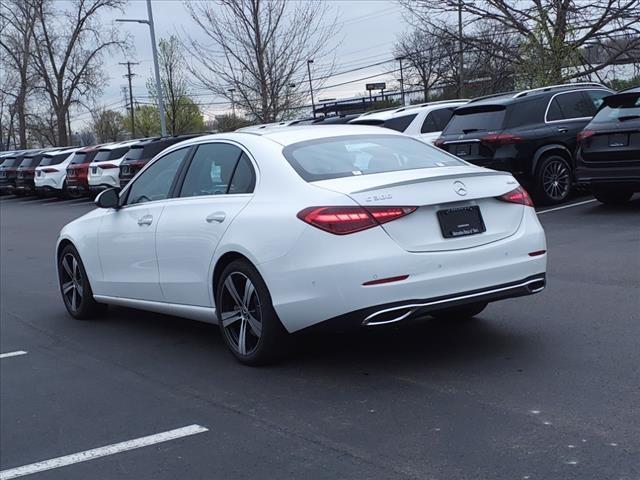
[111, 154]
[478, 118]
[80, 157]
[10, 162]
[627, 106]
[30, 162]
[54, 159]
[346, 156]
[134, 153]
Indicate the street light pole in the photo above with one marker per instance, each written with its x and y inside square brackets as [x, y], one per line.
[149, 23]
[313, 105]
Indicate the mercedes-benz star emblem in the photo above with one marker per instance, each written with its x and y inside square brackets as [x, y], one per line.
[460, 188]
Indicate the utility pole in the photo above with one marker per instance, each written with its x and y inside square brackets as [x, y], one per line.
[460, 57]
[313, 105]
[233, 102]
[152, 32]
[401, 80]
[129, 76]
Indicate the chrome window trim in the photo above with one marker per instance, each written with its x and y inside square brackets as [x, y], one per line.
[573, 119]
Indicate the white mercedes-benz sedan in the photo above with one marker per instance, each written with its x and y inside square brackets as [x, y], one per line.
[273, 232]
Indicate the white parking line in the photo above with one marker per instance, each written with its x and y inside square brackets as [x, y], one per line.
[101, 452]
[12, 354]
[567, 206]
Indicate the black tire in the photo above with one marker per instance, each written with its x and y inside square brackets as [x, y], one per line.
[613, 197]
[253, 320]
[554, 179]
[463, 312]
[74, 286]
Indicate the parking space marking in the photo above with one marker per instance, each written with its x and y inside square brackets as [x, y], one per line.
[567, 206]
[101, 451]
[12, 354]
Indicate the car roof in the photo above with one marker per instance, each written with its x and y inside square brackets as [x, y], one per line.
[507, 98]
[113, 146]
[64, 150]
[409, 110]
[303, 133]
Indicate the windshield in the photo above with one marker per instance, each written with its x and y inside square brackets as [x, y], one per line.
[111, 154]
[54, 159]
[11, 162]
[83, 157]
[30, 162]
[622, 108]
[346, 156]
[475, 119]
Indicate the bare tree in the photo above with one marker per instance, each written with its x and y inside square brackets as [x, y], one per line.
[17, 20]
[108, 125]
[552, 33]
[183, 115]
[260, 49]
[68, 54]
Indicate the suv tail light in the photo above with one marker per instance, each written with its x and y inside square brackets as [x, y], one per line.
[518, 195]
[439, 142]
[583, 135]
[501, 138]
[49, 170]
[346, 219]
[107, 166]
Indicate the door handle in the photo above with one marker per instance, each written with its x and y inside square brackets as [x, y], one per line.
[146, 220]
[216, 217]
[563, 129]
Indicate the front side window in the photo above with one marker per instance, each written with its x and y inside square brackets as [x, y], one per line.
[346, 156]
[218, 169]
[156, 181]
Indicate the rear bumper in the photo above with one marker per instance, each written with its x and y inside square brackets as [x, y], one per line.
[102, 182]
[625, 176]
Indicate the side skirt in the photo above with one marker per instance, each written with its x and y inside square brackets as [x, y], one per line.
[202, 314]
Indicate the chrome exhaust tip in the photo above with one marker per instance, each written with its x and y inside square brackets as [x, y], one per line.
[388, 315]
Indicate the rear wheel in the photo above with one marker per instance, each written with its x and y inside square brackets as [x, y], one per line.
[74, 286]
[463, 312]
[613, 197]
[248, 323]
[553, 180]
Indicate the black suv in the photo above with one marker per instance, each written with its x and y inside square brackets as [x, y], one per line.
[140, 154]
[608, 155]
[531, 134]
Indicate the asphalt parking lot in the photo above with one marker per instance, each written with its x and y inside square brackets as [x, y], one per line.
[540, 387]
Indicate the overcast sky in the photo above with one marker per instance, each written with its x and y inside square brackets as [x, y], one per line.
[368, 28]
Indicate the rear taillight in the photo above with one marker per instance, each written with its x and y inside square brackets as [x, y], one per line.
[501, 139]
[49, 170]
[583, 135]
[107, 166]
[346, 220]
[439, 142]
[518, 195]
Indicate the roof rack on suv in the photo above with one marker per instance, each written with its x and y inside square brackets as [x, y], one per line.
[564, 85]
[493, 95]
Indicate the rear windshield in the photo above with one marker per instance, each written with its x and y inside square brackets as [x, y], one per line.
[30, 162]
[399, 124]
[11, 162]
[621, 108]
[83, 157]
[111, 154]
[54, 159]
[476, 119]
[346, 156]
[147, 152]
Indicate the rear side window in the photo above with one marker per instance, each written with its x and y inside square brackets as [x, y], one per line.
[566, 106]
[622, 108]
[346, 156]
[217, 169]
[477, 119]
[436, 120]
[526, 112]
[399, 124]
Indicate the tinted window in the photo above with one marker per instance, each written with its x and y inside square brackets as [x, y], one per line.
[134, 153]
[346, 156]
[478, 118]
[112, 154]
[437, 120]
[155, 182]
[11, 162]
[211, 170]
[243, 179]
[54, 159]
[30, 162]
[399, 124]
[597, 97]
[83, 157]
[572, 105]
[554, 112]
[526, 112]
[619, 108]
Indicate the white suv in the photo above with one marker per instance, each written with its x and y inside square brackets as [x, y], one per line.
[51, 173]
[424, 121]
[104, 171]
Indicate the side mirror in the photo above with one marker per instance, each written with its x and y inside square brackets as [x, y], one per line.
[108, 199]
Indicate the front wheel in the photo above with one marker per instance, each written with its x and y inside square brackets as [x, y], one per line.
[74, 286]
[613, 197]
[463, 312]
[553, 180]
[248, 322]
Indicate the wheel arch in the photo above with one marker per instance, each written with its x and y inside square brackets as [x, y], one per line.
[542, 152]
[221, 264]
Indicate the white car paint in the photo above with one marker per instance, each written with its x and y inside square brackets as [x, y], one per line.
[414, 128]
[312, 276]
[106, 173]
[53, 176]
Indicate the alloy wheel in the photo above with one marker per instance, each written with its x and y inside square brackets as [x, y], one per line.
[556, 179]
[241, 313]
[72, 288]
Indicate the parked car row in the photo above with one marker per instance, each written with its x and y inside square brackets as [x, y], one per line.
[78, 171]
